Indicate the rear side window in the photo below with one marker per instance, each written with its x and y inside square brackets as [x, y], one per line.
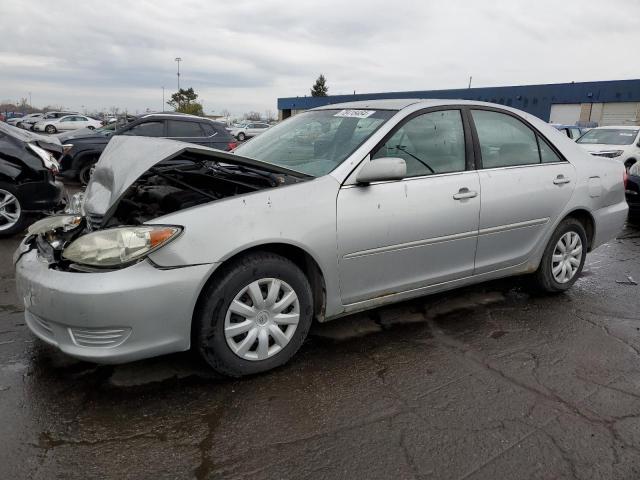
[147, 129]
[546, 154]
[209, 130]
[504, 140]
[184, 129]
[430, 143]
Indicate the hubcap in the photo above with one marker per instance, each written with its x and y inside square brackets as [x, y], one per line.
[9, 210]
[262, 319]
[566, 257]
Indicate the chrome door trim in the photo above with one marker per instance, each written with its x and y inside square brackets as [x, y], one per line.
[414, 244]
[513, 226]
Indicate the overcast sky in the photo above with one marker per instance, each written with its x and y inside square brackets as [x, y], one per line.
[243, 55]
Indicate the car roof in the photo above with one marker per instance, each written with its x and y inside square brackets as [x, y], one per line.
[173, 115]
[400, 103]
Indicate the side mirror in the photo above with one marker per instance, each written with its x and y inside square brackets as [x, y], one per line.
[382, 169]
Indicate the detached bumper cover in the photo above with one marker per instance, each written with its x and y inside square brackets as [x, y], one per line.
[110, 317]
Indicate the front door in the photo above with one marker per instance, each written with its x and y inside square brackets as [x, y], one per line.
[401, 235]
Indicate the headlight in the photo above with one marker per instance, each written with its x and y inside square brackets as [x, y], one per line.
[119, 246]
[609, 153]
[66, 222]
[47, 159]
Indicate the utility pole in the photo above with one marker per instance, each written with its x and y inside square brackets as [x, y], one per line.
[30, 104]
[470, 78]
[163, 99]
[178, 59]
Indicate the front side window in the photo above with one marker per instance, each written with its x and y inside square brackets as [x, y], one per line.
[575, 133]
[430, 143]
[610, 136]
[184, 129]
[147, 129]
[317, 141]
[504, 140]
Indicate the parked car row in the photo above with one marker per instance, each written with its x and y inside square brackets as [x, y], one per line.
[81, 152]
[183, 246]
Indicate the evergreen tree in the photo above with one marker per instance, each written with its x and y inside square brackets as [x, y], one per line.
[320, 88]
[184, 101]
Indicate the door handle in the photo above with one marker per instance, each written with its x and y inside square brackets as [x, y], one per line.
[464, 193]
[561, 180]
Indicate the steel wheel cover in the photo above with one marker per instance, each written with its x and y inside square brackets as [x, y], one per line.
[566, 257]
[9, 210]
[262, 319]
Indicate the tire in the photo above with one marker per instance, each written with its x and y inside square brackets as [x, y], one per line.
[84, 175]
[242, 137]
[91, 127]
[214, 317]
[50, 129]
[13, 209]
[544, 277]
[19, 124]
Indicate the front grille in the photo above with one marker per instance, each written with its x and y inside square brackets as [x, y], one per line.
[94, 222]
[103, 337]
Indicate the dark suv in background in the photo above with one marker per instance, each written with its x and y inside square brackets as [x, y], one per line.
[82, 153]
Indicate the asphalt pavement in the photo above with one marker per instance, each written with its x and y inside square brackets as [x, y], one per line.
[486, 382]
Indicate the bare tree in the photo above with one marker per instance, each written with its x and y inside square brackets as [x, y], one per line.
[253, 116]
[269, 116]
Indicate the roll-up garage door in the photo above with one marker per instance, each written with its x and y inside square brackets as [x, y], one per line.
[622, 113]
[565, 113]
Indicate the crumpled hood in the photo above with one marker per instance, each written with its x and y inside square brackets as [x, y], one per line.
[46, 142]
[126, 158]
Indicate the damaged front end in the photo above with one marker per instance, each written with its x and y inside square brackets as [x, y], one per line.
[136, 181]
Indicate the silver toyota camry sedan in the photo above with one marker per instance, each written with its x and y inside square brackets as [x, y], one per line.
[336, 210]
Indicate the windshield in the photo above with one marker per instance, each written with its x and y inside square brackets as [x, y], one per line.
[609, 136]
[315, 142]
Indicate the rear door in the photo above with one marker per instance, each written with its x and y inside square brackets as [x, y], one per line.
[187, 131]
[525, 185]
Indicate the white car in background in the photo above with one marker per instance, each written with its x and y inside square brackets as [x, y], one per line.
[29, 123]
[66, 123]
[621, 143]
[248, 130]
[18, 121]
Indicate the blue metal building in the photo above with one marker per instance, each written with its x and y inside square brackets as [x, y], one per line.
[615, 97]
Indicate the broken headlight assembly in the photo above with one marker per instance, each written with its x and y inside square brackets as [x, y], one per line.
[121, 246]
[48, 224]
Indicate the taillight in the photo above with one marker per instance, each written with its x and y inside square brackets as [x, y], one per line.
[231, 145]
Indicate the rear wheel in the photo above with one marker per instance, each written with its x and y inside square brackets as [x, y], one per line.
[255, 316]
[242, 137]
[50, 129]
[13, 218]
[563, 258]
[91, 127]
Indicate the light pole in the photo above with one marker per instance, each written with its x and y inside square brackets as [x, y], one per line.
[163, 99]
[30, 104]
[178, 59]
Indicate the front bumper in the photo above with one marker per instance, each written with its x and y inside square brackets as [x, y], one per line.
[110, 317]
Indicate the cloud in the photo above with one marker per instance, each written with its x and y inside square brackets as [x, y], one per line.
[243, 55]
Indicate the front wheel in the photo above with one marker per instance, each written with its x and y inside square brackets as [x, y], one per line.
[13, 218]
[84, 175]
[91, 127]
[50, 129]
[563, 258]
[242, 137]
[255, 316]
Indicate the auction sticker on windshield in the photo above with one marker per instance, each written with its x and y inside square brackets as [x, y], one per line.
[355, 113]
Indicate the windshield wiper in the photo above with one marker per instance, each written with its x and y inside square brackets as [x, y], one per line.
[402, 148]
